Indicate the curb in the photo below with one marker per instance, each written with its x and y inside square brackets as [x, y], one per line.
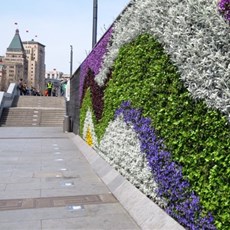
[144, 211]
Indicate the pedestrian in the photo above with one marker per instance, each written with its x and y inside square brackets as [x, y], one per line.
[63, 88]
[54, 92]
[46, 92]
[20, 86]
[49, 88]
[25, 90]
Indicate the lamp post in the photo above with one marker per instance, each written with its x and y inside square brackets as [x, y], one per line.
[71, 60]
[94, 39]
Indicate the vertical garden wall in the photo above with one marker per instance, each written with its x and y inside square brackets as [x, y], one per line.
[154, 98]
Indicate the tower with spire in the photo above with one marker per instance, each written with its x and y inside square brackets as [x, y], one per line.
[15, 61]
[24, 60]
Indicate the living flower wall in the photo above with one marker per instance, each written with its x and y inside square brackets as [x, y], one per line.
[118, 138]
[160, 106]
[182, 204]
[195, 36]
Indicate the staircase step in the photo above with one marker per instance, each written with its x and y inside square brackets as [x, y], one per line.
[34, 111]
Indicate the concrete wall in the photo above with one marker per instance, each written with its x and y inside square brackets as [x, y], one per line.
[7, 98]
[73, 105]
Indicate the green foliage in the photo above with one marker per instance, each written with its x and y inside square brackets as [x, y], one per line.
[197, 136]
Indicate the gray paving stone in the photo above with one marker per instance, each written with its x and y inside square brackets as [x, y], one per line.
[14, 194]
[22, 225]
[2, 187]
[23, 186]
[29, 169]
[78, 189]
[13, 180]
[109, 222]
[5, 174]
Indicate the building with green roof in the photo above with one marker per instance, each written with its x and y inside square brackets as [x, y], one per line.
[16, 44]
[15, 61]
[25, 60]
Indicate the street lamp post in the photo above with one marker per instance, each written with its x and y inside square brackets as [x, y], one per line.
[71, 60]
[67, 118]
[94, 39]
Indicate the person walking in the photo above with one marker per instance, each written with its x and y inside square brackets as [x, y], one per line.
[49, 88]
[54, 92]
[20, 86]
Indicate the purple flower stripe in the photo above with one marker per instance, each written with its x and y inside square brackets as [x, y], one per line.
[94, 60]
[224, 8]
[182, 204]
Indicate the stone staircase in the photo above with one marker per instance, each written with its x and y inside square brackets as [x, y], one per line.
[34, 111]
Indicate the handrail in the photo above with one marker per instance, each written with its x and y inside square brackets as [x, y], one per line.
[7, 98]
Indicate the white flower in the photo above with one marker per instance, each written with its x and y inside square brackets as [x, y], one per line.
[88, 123]
[120, 146]
[194, 35]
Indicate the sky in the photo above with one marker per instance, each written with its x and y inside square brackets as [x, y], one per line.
[57, 24]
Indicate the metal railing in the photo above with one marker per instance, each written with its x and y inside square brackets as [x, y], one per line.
[7, 98]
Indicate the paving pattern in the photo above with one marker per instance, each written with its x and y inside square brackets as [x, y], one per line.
[48, 202]
[47, 183]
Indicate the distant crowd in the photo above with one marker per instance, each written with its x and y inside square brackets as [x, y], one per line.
[49, 91]
[25, 90]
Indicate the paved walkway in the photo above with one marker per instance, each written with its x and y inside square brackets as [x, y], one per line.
[46, 183]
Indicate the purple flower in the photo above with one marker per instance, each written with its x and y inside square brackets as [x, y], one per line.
[94, 60]
[224, 8]
[182, 204]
